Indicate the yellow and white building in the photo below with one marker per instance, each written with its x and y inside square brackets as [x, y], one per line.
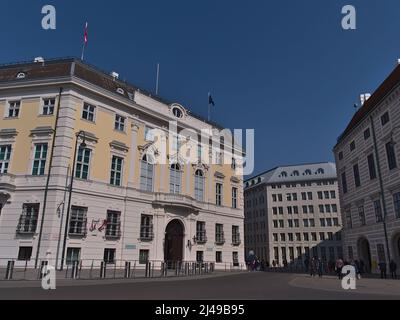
[134, 196]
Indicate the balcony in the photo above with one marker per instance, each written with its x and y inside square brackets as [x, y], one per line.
[26, 226]
[147, 235]
[77, 230]
[113, 234]
[177, 201]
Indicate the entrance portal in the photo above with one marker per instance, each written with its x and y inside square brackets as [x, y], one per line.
[173, 248]
[364, 254]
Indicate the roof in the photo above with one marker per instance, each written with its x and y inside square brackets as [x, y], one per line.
[70, 66]
[296, 173]
[385, 88]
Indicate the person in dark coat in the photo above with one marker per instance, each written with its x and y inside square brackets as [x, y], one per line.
[306, 264]
[320, 265]
[383, 268]
[393, 269]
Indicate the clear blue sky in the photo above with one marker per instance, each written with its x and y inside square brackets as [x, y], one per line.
[285, 68]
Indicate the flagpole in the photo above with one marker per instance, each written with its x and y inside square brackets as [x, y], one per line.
[158, 77]
[209, 107]
[83, 51]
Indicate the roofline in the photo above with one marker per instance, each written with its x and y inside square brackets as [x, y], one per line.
[98, 70]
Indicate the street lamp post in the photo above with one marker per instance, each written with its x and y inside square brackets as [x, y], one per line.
[81, 146]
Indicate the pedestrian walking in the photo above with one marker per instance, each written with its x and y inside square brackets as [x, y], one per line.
[320, 268]
[313, 267]
[393, 269]
[339, 267]
[383, 267]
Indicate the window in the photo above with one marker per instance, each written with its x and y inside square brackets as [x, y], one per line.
[113, 229]
[391, 156]
[88, 112]
[199, 185]
[275, 236]
[109, 256]
[306, 237]
[29, 218]
[296, 223]
[116, 171]
[367, 134]
[312, 223]
[39, 162]
[320, 195]
[294, 196]
[13, 109]
[82, 164]
[336, 222]
[307, 172]
[327, 208]
[291, 237]
[326, 194]
[144, 256]
[146, 228]
[306, 223]
[218, 257]
[283, 237]
[219, 234]
[24, 253]
[280, 210]
[146, 173]
[78, 221]
[177, 112]
[73, 255]
[201, 235]
[275, 223]
[329, 222]
[233, 166]
[289, 197]
[340, 155]
[396, 199]
[281, 223]
[149, 134]
[371, 166]
[310, 195]
[314, 236]
[361, 214]
[290, 223]
[234, 198]
[235, 259]
[322, 221]
[344, 182]
[333, 195]
[175, 179]
[311, 209]
[304, 196]
[119, 123]
[298, 236]
[5, 156]
[321, 208]
[235, 236]
[349, 220]
[289, 210]
[334, 208]
[378, 210]
[218, 194]
[352, 146]
[296, 210]
[305, 209]
[48, 107]
[320, 171]
[280, 197]
[385, 119]
[356, 172]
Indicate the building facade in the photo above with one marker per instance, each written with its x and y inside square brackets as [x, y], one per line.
[139, 192]
[367, 156]
[292, 214]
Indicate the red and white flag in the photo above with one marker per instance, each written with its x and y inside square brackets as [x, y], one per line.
[85, 36]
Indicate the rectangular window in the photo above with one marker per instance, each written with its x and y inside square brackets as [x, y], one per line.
[298, 237]
[314, 236]
[321, 208]
[385, 119]
[199, 153]
[218, 194]
[113, 229]
[39, 163]
[281, 223]
[356, 172]
[146, 228]
[78, 221]
[304, 196]
[83, 163]
[234, 198]
[312, 223]
[306, 223]
[119, 123]
[109, 256]
[391, 156]
[305, 210]
[333, 194]
[144, 256]
[306, 237]
[311, 209]
[236, 236]
[283, 237]
[327, 208]
[336, 222]
[371, 167]
[235, 258]
[334, 208]
[48, 107]
[320, 195]
[13, 109]
[310, 196]
[28, 219]
[344, 182]
[24, 253]
[219, 234]
[73, 255]
[352, 146]
[218, 257]
[5, 156]
[199, 256]
[378, 210]
[323, 222]
[88, 112]
[340, 155]
[201, 235]
[349, 220]
[396, 200]
[367, 134]
[149, 134]
[116, 171]
[296, 223]
[361, 214]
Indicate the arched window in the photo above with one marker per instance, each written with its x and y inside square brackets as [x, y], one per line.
[320, 171]
[307, 172]
[284, 174]
[146, 173]
[175, 179]
[199, 185]
[295, 173]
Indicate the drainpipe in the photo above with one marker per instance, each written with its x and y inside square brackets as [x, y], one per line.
[381, 188]
[46, 190]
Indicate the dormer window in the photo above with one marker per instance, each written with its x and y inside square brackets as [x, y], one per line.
[307, 172]
[177, 112]
[295, 174]
[320, 171]
[21, 75]
[121, 91]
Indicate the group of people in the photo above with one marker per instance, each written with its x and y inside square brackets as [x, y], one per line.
[392, 268]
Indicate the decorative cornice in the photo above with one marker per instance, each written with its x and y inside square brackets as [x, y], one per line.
[42, 131]
[119, 146]
[8, 133]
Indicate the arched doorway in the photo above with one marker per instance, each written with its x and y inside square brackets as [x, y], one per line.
[173, 247]
[364, 254]
[396, 248]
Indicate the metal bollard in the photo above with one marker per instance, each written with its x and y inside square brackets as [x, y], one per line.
[10, 270]
[74, 270]
[103, 270]
[127, 274]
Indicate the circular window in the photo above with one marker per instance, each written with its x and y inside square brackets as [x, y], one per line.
[177, 112]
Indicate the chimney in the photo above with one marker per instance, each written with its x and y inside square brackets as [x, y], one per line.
[364, 97]
[115, 75]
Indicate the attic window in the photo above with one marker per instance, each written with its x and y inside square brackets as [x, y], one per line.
[21, 75]
[120, 91]
[177, 112]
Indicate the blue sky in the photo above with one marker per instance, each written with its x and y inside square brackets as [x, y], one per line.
[285, 68]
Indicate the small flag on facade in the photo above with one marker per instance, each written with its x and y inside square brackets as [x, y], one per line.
[86, 33]
[85, 40]
[210, 100]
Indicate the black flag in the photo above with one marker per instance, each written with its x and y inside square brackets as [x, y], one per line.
[211, 101]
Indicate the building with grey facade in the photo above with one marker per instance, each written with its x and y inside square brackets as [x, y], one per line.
[292, 214]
